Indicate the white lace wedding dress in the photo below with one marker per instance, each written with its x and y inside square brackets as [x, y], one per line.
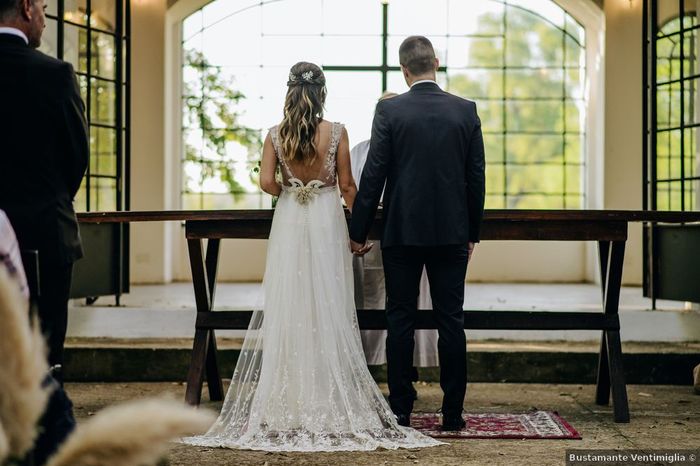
[301, 382]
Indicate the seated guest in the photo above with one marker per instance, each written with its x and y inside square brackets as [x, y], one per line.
[43, 157]
[370, 293]
[58, 421]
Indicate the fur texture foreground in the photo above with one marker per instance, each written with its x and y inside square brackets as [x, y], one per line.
[22, 368]
[133, 434]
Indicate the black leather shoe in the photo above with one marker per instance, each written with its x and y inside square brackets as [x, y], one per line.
[453, 423]
[404, 420]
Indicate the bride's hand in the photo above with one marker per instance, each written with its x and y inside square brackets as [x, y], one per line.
[360, 249]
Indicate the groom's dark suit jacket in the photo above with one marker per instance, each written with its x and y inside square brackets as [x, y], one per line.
[43, 149]
[427, 146]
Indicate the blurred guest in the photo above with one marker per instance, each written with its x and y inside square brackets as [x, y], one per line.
[10, 256]
[43, 157]
[370, 291]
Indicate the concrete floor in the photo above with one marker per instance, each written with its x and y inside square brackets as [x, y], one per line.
[663, 417]
[145, 309]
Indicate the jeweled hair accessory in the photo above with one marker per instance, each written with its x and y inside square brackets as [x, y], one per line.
[306, 77]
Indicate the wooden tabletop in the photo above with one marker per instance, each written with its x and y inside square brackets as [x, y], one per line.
[496, 215]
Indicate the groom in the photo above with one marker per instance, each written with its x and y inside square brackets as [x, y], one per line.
[427, 147]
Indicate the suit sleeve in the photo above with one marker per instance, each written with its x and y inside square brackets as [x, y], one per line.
[373, 177]
[476, 182]
[75, 148]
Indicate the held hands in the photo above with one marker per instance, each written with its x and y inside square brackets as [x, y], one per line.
[360, 249]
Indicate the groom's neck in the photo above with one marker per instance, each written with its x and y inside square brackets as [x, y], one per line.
[422, 77]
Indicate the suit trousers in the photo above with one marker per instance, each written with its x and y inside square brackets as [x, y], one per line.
[54, 290]
[446, 267]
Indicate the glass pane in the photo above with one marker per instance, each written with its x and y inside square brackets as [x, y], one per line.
[75, 11]
[277, 18]
[575, 116]
[574, 149]
[102, 102]
[668, 159]
[493, 148]
[192, 25]
[574, 201]
[103, 15]
[529, 179]
[495, 178]
[535, 83]
[467, 18]
[352, 50]
[75, 47]
[522, 148]
[574, 179]
[103, 194]
[358, 17]
[409, 17]
[103, 60]
[242, 28]
[284, 50]
[534, 201]
[223, 10]
[103, 147]
[542, 116]
[574, 54]
[80, 200]
[474, 52]
[495, 201]
[575, 83]
[530, 41]
[476, 84]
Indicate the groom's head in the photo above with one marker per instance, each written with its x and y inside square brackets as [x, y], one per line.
[417, 59]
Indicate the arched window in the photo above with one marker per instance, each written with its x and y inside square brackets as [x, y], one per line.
[522, 61]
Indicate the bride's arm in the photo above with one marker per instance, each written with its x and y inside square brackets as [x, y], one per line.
[268, 183]
[345, 180]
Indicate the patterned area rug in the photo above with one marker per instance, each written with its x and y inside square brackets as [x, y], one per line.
[532, 425]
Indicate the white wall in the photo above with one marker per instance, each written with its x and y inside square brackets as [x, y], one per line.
[615, 178]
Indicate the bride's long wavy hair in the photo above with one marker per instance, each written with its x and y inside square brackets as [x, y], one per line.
[303, 111]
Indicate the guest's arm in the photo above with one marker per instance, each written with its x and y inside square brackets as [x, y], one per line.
[268, 166]
[475, 180]
[74, 135]
[373, 178]
[345, 179]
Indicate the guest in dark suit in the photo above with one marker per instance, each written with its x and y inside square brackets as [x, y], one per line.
[43, 157]
[427, 146]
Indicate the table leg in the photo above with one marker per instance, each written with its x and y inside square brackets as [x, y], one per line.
[216, 388]
[612, 337]
[602, 394]
[204, 348]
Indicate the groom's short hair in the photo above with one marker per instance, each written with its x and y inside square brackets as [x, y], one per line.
[417, 55]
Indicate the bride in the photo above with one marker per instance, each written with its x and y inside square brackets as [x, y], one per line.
[301, 382]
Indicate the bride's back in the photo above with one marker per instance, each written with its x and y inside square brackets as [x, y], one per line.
[322, 166]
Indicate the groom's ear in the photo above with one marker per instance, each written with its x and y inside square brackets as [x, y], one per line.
[437, 64]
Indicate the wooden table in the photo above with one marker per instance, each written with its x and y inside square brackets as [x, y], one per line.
[607, 228]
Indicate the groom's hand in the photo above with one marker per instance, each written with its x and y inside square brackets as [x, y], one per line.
[360, 249]
[470, 251]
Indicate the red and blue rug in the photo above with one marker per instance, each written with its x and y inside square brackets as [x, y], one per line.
[532, 425]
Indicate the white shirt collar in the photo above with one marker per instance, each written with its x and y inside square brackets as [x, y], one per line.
[14, 32]
[423, 81]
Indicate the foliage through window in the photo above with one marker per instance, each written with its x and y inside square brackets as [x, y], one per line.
[523, 62]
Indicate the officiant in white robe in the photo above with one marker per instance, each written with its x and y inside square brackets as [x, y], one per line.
[368, 272]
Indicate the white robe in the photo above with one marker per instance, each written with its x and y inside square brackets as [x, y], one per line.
[370, 292]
